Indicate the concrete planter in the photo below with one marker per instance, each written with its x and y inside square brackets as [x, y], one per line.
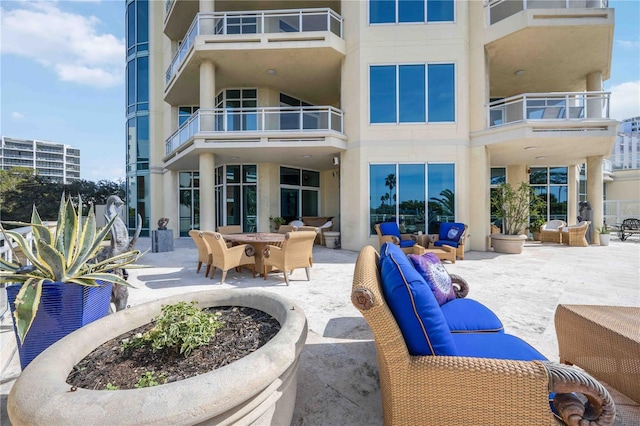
[604, 239]
[510, 244]
[259, 388]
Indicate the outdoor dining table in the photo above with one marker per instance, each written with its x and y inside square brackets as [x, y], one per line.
[258, 240]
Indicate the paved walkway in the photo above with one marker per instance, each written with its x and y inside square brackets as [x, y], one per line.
[338, 383]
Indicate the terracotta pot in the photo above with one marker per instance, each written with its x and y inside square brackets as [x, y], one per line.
[259, 388]
[510, 244]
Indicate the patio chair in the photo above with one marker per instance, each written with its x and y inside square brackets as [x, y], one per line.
[204, 251]
[230, 229]
[225, 257]
[466, 390]
[283, 229]
[389, 231]
[575, 235]
[452, 234]
[296, 252]
[550, 232]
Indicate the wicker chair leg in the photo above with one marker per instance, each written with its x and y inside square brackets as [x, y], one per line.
[286, 277]
[224, 275]
[206, 274]
[307, 271]
[213, 272]
[199, 266]
[253, 270]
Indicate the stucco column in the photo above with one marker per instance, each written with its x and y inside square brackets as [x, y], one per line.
[207, 5]
[595, 194]
[479, 194]
[573, 181]
[594, 84]
[207, 95]
[207, 192]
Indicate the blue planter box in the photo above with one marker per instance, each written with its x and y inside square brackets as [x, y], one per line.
[63, 309]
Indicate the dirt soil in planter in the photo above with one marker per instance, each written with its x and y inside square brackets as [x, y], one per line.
[244, 331]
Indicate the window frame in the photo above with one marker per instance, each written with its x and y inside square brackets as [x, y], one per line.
[425, 15]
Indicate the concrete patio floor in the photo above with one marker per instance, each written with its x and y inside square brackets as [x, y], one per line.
[338, 383]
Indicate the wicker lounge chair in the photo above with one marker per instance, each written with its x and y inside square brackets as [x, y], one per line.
[454, 390]
[550, 232]
[575, 235]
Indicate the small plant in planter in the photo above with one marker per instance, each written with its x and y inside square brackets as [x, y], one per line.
[535, 226]
[605, 235]
[276, 222]
[67, 256]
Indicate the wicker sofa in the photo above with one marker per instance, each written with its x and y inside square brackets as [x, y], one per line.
[464, 390]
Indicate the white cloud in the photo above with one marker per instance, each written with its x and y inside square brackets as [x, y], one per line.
[67, 43]
[17, 115]
[628, 44]
[625, 100]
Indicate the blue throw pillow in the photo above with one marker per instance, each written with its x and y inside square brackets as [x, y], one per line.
[454, 233]
[413, 305]
[433, 272]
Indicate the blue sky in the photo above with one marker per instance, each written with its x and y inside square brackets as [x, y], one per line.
[62, 75]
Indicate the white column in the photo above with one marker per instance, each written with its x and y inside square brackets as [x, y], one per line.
[207, 192]
[573, 181]
[594, 84]
[207, 6]
[595, 194]
[207, 94]
[479, 193]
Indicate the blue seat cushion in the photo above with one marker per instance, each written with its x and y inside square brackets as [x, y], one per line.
[390, 228]
[413, 305]
[447, 242]
[407, 243]
[495, 345]
[470, 316]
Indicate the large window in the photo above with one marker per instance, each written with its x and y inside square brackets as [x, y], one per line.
[400, 192]
[239, 104]
[411, 93]
[299, 193]
[237, 196]
[498, 177]
[410, 11]
[551, 186]
[189, 209]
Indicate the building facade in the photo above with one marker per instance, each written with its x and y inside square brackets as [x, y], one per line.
[365, 111]
[51, 160]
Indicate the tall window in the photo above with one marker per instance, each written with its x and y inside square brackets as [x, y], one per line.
[189, 208]
[299, 193]
[399, 193]
[242, 101]
[411, 93]
[498, 177]
[184, 112]
[551, 186]
[410, 11]
[237, 196]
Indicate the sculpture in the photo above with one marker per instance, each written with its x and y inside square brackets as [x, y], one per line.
[120, 243]
[162, 223]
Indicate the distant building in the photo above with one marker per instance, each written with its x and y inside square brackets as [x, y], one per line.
[55, 161]
[626, 151]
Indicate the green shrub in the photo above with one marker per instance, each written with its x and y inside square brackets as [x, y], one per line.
[149, 379]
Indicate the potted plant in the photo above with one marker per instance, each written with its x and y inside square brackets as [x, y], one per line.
[605, 236]
[514, 206]
[534, 227]
[44, 303]
[276, 222]
[259, 388]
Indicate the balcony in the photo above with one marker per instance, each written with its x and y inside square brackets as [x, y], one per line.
[304, 46]
[263, 134]
[497, 10]
[548, 128]
[552, 107]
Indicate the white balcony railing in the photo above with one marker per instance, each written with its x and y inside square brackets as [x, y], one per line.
[257, 120]
[548, 106]
[502, 9]
[255, 22]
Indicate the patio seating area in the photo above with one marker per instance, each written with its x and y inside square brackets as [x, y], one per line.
[338, 380]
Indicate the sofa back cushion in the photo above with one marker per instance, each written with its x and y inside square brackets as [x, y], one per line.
[413, 305]
[433, 272]
[390, 228]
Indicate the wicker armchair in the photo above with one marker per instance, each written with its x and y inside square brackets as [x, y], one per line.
[403, 241]
[230, 229]
[452, 390]
[204, 251]
[226, 258]
[296, 252]
[550, 232]
[575, 235]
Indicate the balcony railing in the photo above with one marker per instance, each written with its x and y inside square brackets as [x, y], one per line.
[257, 120]
[502, 9]
[256, 22]
[548, 106]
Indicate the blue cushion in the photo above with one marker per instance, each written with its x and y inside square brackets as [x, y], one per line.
[447, 242]
[468, 315]
[390, 228]
[407, 243]
[451, 231]
[495, 345]
[413, 305]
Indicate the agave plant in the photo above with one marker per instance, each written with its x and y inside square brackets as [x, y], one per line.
[68, 255]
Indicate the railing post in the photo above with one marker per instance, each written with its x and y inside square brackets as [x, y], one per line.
[524, 107]
[262, 29]
[300, 21]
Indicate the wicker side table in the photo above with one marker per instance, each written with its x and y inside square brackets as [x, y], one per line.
[604, 341]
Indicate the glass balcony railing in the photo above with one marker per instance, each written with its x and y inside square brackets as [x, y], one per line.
[257, 120]
[167, 6]
[502, 9]
[548, 106]
[257, 22]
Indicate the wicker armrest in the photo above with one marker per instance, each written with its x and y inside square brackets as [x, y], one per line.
[460, 286]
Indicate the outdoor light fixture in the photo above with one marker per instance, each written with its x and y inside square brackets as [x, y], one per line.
[518, 73]
[306, 156]
[271, 71]
[529, 147]
[539, 158]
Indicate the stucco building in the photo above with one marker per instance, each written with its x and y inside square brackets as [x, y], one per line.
[363, 110]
